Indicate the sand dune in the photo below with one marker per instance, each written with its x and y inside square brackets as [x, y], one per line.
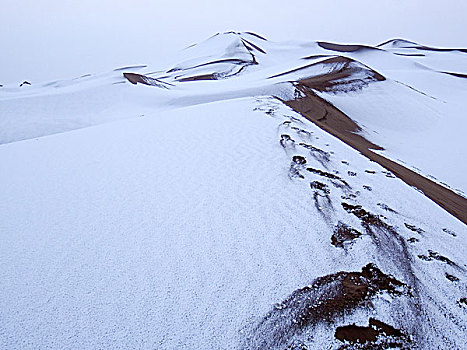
[251, 195]
[329, 118]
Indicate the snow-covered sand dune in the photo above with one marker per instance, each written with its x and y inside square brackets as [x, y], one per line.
[205, 213]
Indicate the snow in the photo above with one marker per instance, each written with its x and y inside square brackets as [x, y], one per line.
[137, 217]
[415, 127]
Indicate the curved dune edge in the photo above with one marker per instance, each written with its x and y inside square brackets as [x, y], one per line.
[344, 47]
[338, 124]
[407, 44]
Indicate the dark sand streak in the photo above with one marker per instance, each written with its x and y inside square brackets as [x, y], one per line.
[338, 124]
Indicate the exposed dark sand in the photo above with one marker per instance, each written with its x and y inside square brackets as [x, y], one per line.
[257, 35]
[312, 57]
[328, 117]
[328, 81]
[410, 54]
[450, 277]
[436, 256]
[142, 79]
[343, 48]
[341, 68]
[378, 335]
[331, 119]
[327, 297]
[199, 77]
[343, 234]
[257, 48]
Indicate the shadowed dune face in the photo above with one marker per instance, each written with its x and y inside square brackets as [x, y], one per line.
[344, 48]
[236, 51]
[342, 74]
[346, 75]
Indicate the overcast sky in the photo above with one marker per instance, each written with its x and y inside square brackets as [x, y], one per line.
[54, 39]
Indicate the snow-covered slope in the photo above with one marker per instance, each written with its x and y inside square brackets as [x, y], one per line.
[206, 214]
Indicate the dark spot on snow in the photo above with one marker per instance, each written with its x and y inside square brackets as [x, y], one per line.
[327, 175]
[321, 301]
[424, 257]
[451, 277]
[286, 141]
[316, 185]
[462, 302]
[24, 83]
[436, 256]
[301, 131]
[378, 335]
[370, 171]
[449, 232]
[388, 174]
[350, 196]
[414, 228]
[368, 188]
[295, 119]
[385, 207]
[366, 217]
[299, 160]
[321, 198]
[352, 173]
[296, 165]
[413, 240]
[295, 173]
[345, 162]
[343, 234]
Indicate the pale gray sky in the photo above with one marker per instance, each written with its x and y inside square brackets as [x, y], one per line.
[53, 39]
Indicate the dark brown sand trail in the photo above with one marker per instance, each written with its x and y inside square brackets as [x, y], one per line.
[331, 119]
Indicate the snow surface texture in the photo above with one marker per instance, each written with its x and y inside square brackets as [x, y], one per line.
[190, 217]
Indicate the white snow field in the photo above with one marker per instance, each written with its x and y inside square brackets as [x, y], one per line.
[209, 215]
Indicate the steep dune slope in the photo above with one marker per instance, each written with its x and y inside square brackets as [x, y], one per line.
[185, 228]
